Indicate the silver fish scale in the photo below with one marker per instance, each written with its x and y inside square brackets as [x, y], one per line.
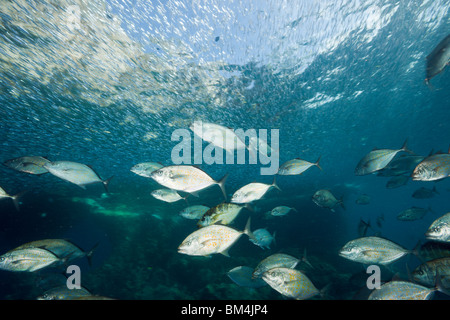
[401, 290]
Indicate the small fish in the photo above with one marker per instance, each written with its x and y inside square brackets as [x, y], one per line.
[290, 283]
[242, 276]
[372, 250]
[194, 212]
[212, 239]
[296, 166]
[64, 293]
[281, 211]
[362, 227]
[220, 136]
[402, 290]
[413, 213]
[145, 169]
[363, 199]
[166, 195]
[29, 260]
[74, 172]
[438, 59]
[252, 192]
[396, 182]
[28, 164]
[263, 238]
[439, 229]
[325, 199]
[223, 213]
[14, 198]
[186, 178]
[380, 219]
[276, 260]
[377, 159]
[403, 165]
[426, 273]
[425, 193]
[434, 167]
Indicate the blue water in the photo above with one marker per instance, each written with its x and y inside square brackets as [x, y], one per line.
[336, 80]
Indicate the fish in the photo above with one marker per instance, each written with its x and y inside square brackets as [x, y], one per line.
[397, 181]
[77, 173]
[438, 59]
[290, 283]
[252, 192]
[275, 261]
[220, 136]
[281, 211]
[413, 213]
[15, 198]
[167, 195]
[426, 273]
[432, 168]
[145, 169]
[64, 293]
[377, 159]
[403, 165]
[297, 166]
[372, 250]
[425, 193]
[224, 213]
[402, 290]
[242, 276]
[325, 199]
[380, 219]
[431, 250]
[363, 199]
[194, 212]
[186, 178]
[27, 260]
[28, 164]
[439, 230]
[362, 227]
[263, 238]
[212, 239]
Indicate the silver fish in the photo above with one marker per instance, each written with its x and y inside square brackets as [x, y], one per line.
[145, 169]
[30, 259]
[434, 167]
[402, 290]
[74, 172]
[377, 159]
[218, 135]
[297, 166]
[276, 260]
[194, 212]
[167, 195]
[64, 293]
[413, 213]
[372, 250]
[28, 164]
[325, 199]
[438, 59]
[263, 238]
[14, 198]
[212, 239]
[290, 283]
[440, 229]
[224, 213]
[425, 193]
[252, 192]
[242, 276]
[397, 181]
[186, 178]
[281, 211]
[427, 272]
[363, 199]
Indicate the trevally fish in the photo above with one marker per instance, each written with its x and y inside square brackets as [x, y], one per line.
[413, 213]
[186, 178]
[28, 164]
[218, 135]
[14, 198]
[194, 212]
[377, 159]
[224, 213]
[212, 239]
[276, 260]
[263, 238]
[325, 199]
[30, 259]
[425, 193]
[439, 229]
[64, 293]
[242, 276]
[427, 272]
[438, 59]
[434, 167]
[403, 165]
[363, 199]
[290, 283]
[296, 166]
[280, 211]
[431, 250]
[372, 250]
[145, 169]
[166, 195]
[252, 192]
[74, 172]
[397, 181]
[402, 290]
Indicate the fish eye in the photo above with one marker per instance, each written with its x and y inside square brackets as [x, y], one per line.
[420, 272]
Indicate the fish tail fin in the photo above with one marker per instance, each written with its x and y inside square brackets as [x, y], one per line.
[341, 202]
[416, 251]
[249, 207]
[305, 259]
[16, 198]
[90, 253]
[247, 230]
[274, 183]
[221, 184]
[317, 163]
[106, 183]
[405, 147]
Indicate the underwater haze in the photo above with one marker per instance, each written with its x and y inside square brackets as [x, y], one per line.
[107, 83]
